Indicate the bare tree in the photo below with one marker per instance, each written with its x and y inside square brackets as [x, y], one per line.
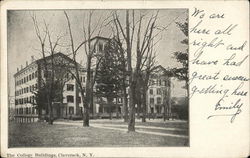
[135, 33]
[145, 80]
[43, 34]
[89, 32]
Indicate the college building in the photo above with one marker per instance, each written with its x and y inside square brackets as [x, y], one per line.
[29, 82]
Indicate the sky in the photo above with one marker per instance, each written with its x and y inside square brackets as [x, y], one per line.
[22, 42]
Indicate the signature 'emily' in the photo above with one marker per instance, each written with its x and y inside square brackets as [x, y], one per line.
[237, 105]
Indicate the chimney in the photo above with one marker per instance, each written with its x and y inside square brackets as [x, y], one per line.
[27, 63]
[17, 69]
[32, 58]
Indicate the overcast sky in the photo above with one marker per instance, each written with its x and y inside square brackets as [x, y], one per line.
[23, 43]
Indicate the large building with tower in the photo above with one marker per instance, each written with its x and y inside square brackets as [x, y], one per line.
[29, 82]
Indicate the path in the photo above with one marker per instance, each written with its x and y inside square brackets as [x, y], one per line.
[143, 129]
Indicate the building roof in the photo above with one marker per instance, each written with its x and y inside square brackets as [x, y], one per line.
[163, 71]
[39, 61]
[99, 37]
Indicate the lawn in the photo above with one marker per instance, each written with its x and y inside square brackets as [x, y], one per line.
[57, 135]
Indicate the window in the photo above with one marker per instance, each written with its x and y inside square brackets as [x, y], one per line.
[151, 91]
[119, 100]
[26, 111]
[158, 108]
[158, 100]
[70, 87]
[158, 91]
[70, 99]
[33, 76]
[79, 99]
[24, 80]
[36, 74]
[165, 83]
[152, 100]
[33, 110]
[160, 82]
[30, 77]
[100, 47]
[33, 99]
[153, 82]
[36, 86]
[83, 79]
[71, 110]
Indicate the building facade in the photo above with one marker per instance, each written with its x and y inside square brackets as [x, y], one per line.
[30, 80]
[29, 84]
[159, 90]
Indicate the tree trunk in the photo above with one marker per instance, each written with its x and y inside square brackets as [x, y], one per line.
[131, 121]
[144, 108]
[50, 121]
[39, 109]
[86, 116]
[132, 81]
[88, 94]
[125, 104]
[117, 109]
[164, 114]
[169, 101]
[110, 103]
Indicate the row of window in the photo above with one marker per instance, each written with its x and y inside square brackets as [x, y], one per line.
[158, 100]
[82, 78]
[25, 100]
[31, 99]
[30, 110]
[119, 100]
[70, 87]
[159, 82]
[158, 91]
[27, 78]
[70, 99]
[26, 89]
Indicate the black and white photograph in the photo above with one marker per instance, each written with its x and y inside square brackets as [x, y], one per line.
[98, 78]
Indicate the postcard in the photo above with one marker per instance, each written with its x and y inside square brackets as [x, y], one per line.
[124, 79]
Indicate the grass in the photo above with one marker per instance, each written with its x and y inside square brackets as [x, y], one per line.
[159, 123]
[44, 135]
